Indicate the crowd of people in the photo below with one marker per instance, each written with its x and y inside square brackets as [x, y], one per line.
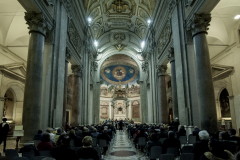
[62, 142]
[220, 146]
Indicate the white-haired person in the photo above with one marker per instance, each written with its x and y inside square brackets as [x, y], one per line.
[200, 147]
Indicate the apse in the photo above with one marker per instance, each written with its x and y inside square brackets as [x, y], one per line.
[119, 90]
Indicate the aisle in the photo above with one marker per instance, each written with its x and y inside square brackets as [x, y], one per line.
[122, 148]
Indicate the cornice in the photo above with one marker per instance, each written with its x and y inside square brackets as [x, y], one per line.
[8, 73]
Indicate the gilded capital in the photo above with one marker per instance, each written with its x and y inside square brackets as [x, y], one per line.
[200, 23]
[36, 22]
[77, 70]
[171, 54]
[161, 70]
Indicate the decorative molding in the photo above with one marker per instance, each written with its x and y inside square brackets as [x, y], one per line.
[119, 47]
[49, 2]
[74, 37]
[68, 54]
[145, 66]
[171, 54]
[77, 70]
[161, 70]
[37, 22]
[164, 38]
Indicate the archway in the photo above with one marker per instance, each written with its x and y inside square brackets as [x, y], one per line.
[119, 76]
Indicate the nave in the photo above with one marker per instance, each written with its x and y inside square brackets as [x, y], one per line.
[122, 148]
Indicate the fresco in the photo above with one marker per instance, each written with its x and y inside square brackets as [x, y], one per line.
[115, 75]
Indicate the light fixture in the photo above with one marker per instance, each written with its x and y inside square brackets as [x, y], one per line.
[95, 43]
[142, 44]
[149, 22]
[89, 21]
[237, 17]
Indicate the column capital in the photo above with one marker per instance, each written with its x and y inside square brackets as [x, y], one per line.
[68, 54]
[77, 70]
[161, 70]
[171, 54]
[200, 23]
[36, 22]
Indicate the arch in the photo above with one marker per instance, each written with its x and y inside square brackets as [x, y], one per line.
[17, 87]
[102, 60]
[224, 103]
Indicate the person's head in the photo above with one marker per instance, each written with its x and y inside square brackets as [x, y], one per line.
[223, 136]
[153, 137]
[181, 128]
[4, 119]
[72, 132]
[215, 146]
[232, 132]
[46, 137]
[105, 130]
[49, 130]
[94, 130]
[171, 134]
[105, 127]
[66, 140]
[86, 129]
[87, 141]
[203, 135]
[59, 130]
[40, 131]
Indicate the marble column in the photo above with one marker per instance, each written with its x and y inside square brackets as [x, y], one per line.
[33, 86]
[174, 82]
[208, 113]
[162, 102]
[1, 107]
[67, 58]
[76, 99]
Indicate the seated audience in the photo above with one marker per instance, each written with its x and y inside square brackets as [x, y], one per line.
[64, 151]
[52, 136]
[87, 151]
[195, 132]
[86, 132]
[95, 133]
[171, 141]
[153, 142]
[200, 147]
[45, 143]
[38, 136]
[181, 132]
[163, 133]
[106, 137]
[226, 143]
[78, 132]
[216, 152]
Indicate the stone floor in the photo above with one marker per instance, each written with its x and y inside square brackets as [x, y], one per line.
[122, 148]
[11, 144]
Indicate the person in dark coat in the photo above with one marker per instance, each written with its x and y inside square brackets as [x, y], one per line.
[121, 125]
[87, 151]
[226, 143]
[216, 152]
[163, 133]
[153, 142]
[64, 151]
[171, 141]
[181, 132]
[4, 129]
[106, 137]
[175, 124]
[38, 136]
[200, 147]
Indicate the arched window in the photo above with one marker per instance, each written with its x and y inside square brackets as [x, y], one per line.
[224, 104]
[135, 109]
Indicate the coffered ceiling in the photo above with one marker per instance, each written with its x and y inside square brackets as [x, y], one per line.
[129, 15]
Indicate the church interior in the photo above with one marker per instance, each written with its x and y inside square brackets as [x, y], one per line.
[93, 63]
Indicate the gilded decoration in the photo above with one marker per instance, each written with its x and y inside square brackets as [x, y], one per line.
[119, 7]
[74, 37]
[164, 37]
[119, 73]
